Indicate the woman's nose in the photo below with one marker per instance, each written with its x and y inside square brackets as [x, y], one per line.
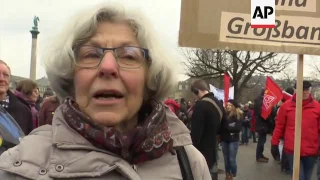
[109, 65]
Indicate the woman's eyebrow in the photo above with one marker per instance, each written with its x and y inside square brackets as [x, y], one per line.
[120, 44]
[93, 43]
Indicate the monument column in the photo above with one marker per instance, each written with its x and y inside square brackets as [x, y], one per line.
[33, 64]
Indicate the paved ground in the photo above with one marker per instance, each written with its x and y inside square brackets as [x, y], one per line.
[249, 169]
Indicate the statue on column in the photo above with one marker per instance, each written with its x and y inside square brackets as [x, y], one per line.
[35, 22]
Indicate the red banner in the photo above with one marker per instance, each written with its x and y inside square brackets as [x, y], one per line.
[226, 88]
[272, 95]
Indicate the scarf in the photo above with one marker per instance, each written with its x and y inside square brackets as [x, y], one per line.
[5, 103]
[32, 106]
[149, 140]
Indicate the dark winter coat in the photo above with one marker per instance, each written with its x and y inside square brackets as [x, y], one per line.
[263, 126]
[205, 124]
[246, 123]
[233, 127]
[21, 112]
[47, 110]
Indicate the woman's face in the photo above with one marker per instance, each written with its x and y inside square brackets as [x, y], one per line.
[34, 95]
[230, 107]
[108, 79]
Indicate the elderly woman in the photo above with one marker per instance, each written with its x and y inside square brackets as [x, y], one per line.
[27, 91]
[111, 73]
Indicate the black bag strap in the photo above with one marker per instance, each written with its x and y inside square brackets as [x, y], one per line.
[215, 105]
[184, 163]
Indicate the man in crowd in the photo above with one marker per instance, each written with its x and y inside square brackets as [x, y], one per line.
[205, 123]
[247, 116]
[310, 128]
[263, 127]
[17, 109]
[183, 111]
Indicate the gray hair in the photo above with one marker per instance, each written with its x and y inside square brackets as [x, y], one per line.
[59, 58]
[2, 62]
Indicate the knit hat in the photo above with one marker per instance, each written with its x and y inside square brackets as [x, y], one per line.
[306, 85]
[48, 92]
[290, 90]
[233, 102]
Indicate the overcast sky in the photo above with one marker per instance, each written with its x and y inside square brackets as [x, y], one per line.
[16, 19]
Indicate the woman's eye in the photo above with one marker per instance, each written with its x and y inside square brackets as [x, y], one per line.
[128, 56]
[92, 55]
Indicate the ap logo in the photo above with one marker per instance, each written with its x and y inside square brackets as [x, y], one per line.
[263, 14]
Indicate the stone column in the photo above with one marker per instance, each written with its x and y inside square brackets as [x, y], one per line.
[33, 64]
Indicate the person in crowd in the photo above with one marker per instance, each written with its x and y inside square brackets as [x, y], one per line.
[205, 123]
[247, 117]
[183, 111]
[189, 116]
[285, 127]
[47, 110]
[48, 93]
[285, 165]
[252, 123]
[230, 139]
[221, 101]
[183, 105]
[263, 127]
[173, 105]
[39, 102]
[111, 71]
[189, 104]
[190, 111]
[318, 163]
[28, 92]
[20, 111]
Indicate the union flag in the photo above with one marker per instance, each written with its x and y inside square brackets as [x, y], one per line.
[272, 95]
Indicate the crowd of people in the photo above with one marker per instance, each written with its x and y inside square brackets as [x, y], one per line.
[235, 124]
[104, 116]
[24, 103]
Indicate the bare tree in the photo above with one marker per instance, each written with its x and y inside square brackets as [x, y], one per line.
[315, 66]
[287, 78]
[241, 65]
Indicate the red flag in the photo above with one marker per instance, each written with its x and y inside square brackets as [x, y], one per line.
[272, 95]
[226, 88]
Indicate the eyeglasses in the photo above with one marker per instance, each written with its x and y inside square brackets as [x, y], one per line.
[128, 57]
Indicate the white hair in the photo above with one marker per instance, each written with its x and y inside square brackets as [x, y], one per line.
[59, 58]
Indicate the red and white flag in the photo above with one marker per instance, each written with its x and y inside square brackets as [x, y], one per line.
[272, 95]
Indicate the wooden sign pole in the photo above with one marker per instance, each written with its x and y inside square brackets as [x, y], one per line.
[297, 135]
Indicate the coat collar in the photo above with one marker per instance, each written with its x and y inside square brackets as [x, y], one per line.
[66, 139]
[60, 152]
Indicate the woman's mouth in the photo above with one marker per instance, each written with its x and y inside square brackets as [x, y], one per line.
[108, 97]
